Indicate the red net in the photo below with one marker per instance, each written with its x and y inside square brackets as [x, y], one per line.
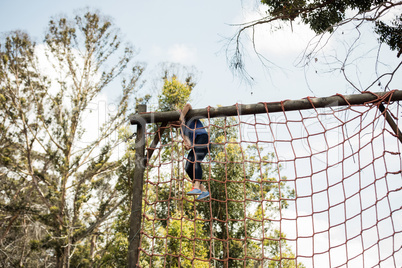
[313, 188]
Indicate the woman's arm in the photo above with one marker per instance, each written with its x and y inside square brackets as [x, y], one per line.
[187, 142]
[186, 139]
[183, 113]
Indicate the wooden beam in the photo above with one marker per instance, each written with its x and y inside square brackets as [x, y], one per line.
[245, 109]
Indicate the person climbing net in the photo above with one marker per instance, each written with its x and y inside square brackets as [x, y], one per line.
[196, 139]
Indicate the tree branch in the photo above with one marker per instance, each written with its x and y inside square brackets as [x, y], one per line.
[93, 226]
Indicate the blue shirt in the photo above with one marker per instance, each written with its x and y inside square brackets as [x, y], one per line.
[193, 128]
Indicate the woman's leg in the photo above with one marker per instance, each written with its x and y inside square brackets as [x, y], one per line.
[190, 170]
[201, 150]
[189, 167]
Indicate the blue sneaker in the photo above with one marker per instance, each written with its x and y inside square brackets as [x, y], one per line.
[194, 191]
[203, 195]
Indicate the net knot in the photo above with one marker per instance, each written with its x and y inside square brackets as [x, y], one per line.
[380, 99]
[343, 97]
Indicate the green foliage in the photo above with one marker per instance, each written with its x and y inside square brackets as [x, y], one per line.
[391, 34]
[320, 16]
[280, 252]
[116, 252]
[184, 238]
[175, 94]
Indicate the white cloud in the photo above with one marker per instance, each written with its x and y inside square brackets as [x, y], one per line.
[283, 41]
[157, 51]
[279, 38]
[180, 53]
[183, 53]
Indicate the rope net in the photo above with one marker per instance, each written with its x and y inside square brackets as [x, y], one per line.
[312, 188]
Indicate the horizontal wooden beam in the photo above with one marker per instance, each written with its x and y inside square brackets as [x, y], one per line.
[272, 107]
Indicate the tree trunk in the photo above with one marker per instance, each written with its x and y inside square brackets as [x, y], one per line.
[92, 252]
[59, 258]
[225, 247]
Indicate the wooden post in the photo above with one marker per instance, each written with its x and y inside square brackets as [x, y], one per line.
[391, 122]
[136, 204]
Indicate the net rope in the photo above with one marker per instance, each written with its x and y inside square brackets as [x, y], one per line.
[312, 188]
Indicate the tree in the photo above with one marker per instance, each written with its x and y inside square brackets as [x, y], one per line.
[52, 180]
[325, 18]
[175, 94]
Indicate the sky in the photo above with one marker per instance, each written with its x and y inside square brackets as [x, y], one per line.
[187, 32]
[195, 33]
